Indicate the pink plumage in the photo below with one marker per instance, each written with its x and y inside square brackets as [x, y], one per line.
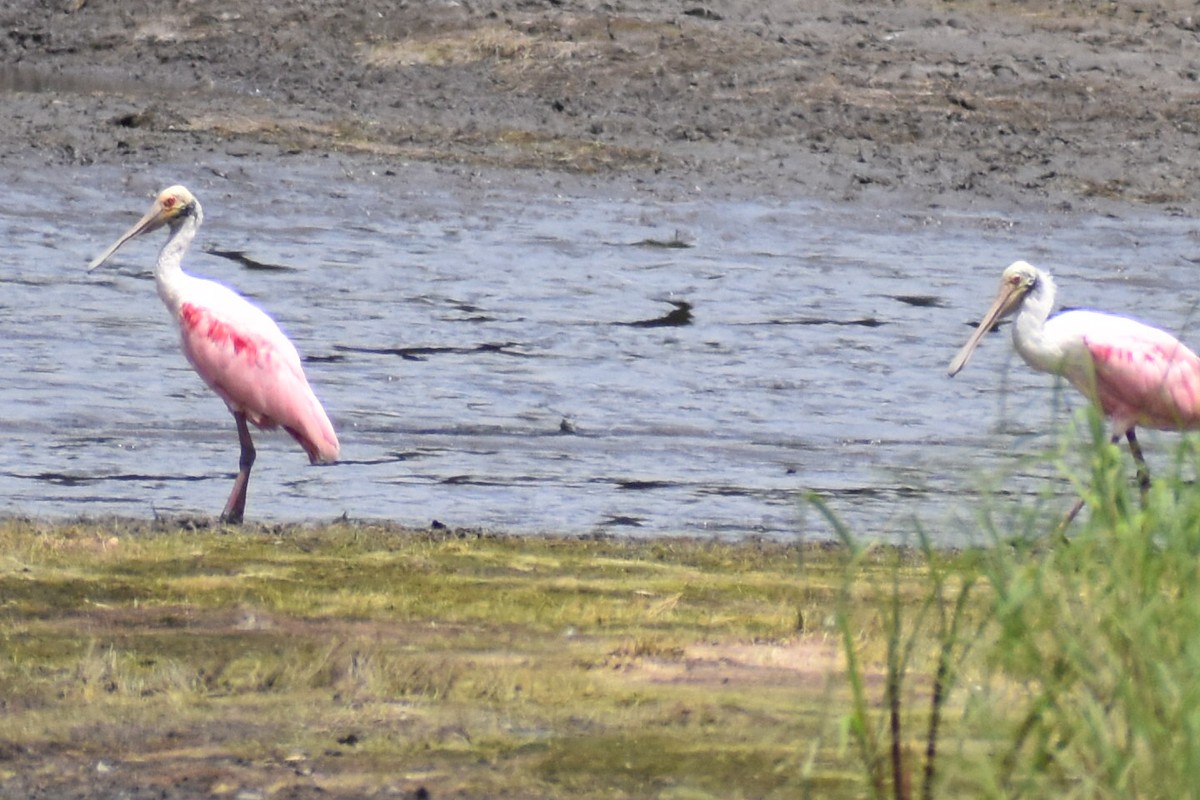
[1136, 374]
[233, 345]
[1143, 376]
[256, 371]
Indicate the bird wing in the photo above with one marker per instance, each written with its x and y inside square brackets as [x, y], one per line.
[1140, 375]
[245, 358]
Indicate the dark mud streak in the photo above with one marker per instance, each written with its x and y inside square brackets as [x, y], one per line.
[636, 485]
[621, 521]
[920, 300]
[682, 315]
[474, 480]
[864, 322]
[677, 242]
[996, 326]
[418, 353]
[240, 257]
[62, 479]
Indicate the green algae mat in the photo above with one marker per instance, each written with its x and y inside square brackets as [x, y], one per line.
[169, 660]
[353, 660]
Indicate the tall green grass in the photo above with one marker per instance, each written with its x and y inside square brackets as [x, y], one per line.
[929, 625]
[1102, 632]
[1067, 666]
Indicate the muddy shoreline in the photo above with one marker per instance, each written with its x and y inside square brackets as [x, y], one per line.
[1066, 105]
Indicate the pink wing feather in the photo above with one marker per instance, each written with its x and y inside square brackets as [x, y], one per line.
[242, 355]
[1144, 376]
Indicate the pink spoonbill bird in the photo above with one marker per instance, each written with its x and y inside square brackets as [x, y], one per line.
[1136, 374]
[233, 345]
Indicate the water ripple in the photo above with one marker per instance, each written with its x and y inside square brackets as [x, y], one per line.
[534, 361]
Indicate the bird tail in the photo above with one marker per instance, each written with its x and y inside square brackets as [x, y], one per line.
[324, 450]
[315, 434]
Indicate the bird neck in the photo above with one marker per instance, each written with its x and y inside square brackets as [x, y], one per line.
[169, 276]
[1029, 327]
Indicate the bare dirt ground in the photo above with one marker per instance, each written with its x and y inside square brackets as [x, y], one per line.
[1054, 102]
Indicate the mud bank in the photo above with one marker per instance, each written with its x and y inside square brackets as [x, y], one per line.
[1066, 104]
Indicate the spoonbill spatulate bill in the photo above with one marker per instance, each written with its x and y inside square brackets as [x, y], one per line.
[233, 345]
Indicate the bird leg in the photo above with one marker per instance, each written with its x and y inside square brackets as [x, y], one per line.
[1075, 509]
[235, 506]
[1143, 472]
[1143, 475]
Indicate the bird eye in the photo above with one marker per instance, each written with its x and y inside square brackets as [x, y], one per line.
[169, 202]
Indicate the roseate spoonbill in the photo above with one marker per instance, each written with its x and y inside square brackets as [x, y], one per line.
[1136, 374]
[233, 345]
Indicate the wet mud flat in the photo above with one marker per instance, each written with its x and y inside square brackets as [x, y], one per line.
[1065, 104]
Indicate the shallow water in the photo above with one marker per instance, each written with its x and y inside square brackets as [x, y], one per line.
[470, 339]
